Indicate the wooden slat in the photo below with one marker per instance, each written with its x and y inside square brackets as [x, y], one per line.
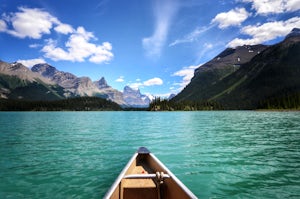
[138, 183]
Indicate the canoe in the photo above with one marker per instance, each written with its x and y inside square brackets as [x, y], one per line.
[146, 177]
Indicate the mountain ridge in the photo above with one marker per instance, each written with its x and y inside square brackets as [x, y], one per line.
[224, 64]
[83, 86]
[271, 73]
[15, 78]
[18, 82]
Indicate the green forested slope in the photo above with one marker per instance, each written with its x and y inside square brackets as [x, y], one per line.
[271, 75]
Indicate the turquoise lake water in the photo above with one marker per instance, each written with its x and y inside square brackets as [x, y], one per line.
[225, 154]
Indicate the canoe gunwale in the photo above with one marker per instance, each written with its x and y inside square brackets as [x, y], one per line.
[186, 190]
[120, 177]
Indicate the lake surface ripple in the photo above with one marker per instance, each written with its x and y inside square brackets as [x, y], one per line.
[224, 154]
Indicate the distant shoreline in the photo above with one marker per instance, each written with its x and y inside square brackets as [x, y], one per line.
[100, 104]
[278, 110]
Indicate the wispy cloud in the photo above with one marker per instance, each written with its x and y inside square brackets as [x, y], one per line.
[233, 17]
[265, 32]
[164, 12]
[102, 6]
[35, 45]
[193, 36]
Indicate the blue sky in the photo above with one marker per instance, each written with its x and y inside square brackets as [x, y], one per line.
[153, 45]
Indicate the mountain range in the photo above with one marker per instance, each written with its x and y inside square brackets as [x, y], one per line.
[248, 76]
[245, 77]
[45, 82]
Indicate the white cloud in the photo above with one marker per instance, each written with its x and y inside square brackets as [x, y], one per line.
[264, 7]
[102, 53]
[30, 22]
[79, 48]
[187, 73]
[293, 5]
[34, 23]
[120, 79]
[164, 12]
[2, 26]
[156, 81]
[64, 28]
[232, 18]
[31, 62]
[54, 53]
[265, 32]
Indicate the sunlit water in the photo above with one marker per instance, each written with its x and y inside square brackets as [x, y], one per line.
[215, 154]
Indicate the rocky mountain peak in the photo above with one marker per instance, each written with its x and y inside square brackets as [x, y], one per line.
[102, 83]
[130, 91]
[294, 33]
[21, 71]
[134, 97]
[44, 69]
[231, 58]
[13, 68]
[64, 79]
[17, 67]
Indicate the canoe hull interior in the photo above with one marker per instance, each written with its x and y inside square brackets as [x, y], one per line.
[138, 187]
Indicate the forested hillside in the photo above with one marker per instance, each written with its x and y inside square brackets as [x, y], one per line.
[70, 104]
